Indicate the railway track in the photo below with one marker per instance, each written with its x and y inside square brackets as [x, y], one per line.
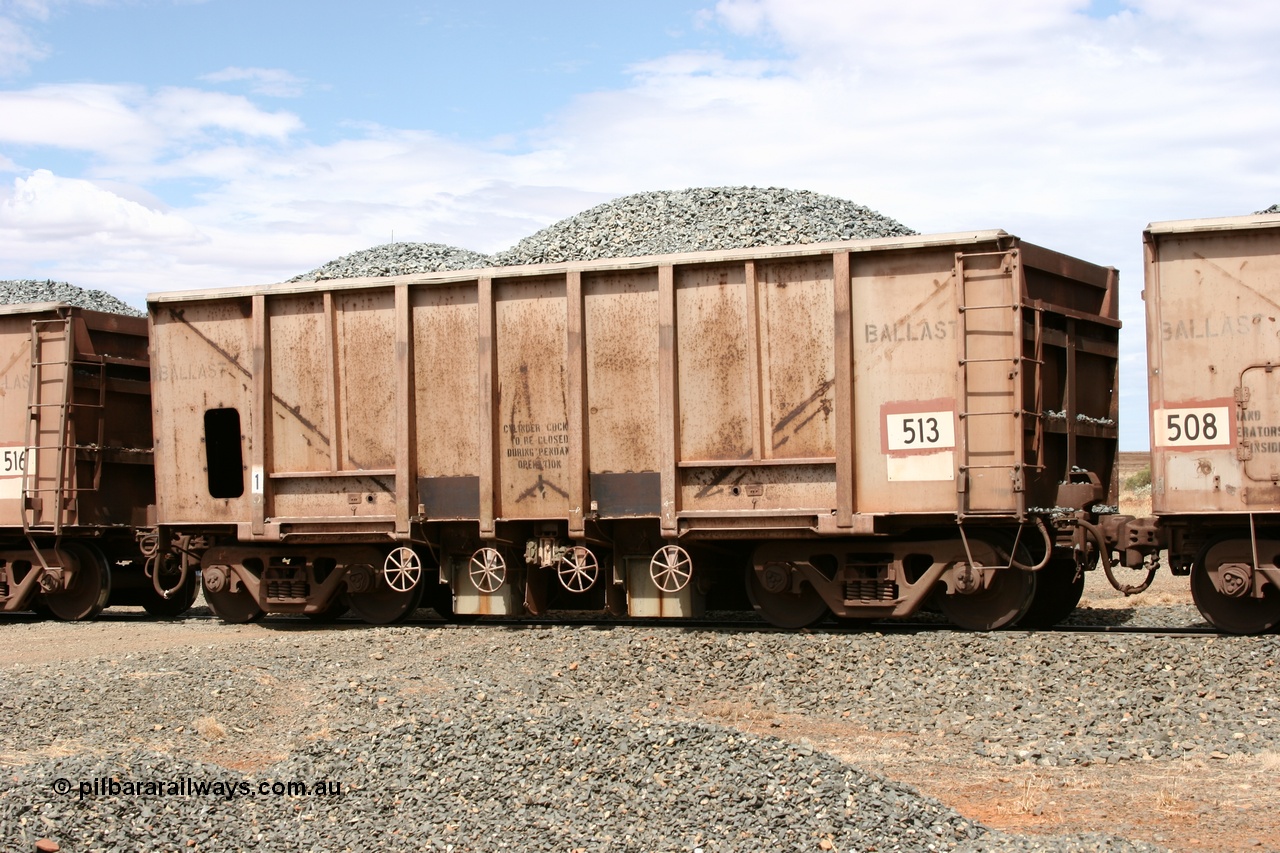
[745, 624]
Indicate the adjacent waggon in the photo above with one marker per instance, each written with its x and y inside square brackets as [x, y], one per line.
[858, 429]
[76, 466]
[1213, 351]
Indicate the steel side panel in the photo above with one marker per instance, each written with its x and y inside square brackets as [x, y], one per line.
[1213, 323]
[446, 371]
[797, 355]
[904, 355]
[531, 408]
[713, 371]
[621, 313]
[365, 335]
[203, 352]
[302, 369]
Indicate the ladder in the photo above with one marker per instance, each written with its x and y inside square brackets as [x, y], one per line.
[50, 486]
[993, 459]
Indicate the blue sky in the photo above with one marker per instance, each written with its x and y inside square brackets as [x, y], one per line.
[150, 145]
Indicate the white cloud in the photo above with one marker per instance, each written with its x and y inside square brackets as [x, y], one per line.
[48, 208]
[18, 49]
[130, 123]
[274, 82]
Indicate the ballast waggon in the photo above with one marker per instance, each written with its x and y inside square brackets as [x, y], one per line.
[858, 429]
[1213, 355]
[75, 466]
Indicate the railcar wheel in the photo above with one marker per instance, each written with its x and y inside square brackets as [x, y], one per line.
[236, 607]
[90, 588]
[1235, 615]
[337, 608]
[488, 570]
[383, 605]
[782, 607]
[402, 569]
[1005, 600]
[578, 569]
[1058, 591]
[671, 568]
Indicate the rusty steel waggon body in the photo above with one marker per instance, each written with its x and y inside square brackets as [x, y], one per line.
[1213, 349]
[860, 428]
[76, 465]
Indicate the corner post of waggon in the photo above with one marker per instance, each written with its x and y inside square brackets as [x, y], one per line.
[858, 429]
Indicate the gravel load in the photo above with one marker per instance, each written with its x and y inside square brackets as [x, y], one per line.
[693, 220]
[577, 737]
[1275, 208]
[398, 259]
[648, 223]
[22, 291]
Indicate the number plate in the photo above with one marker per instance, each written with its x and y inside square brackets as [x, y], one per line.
[12, 461]
[924, 432]
[918, 439]
[1194, 427]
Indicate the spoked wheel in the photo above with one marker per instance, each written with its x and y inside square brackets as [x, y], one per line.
[90, 588]
[775, 600]
[671, 568]
[236, 607]
[488, 570]
[402, 569]
[578, 569]
[1005, 600]
[1242, 614]
[1058, 591]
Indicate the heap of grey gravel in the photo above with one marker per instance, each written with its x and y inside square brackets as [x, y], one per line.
[23, 291]
[648, 223]
[555, 738]
[483, 737]
[1275, 208]
[692, 220]
[398, 259]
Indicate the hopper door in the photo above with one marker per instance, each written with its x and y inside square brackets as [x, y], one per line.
[989, 295]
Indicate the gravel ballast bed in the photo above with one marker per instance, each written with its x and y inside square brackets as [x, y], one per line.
[556, 738]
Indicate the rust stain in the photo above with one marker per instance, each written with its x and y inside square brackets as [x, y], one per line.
[295, 411]
[816, 397]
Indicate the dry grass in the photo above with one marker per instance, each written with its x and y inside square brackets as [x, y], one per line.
[209, 728]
